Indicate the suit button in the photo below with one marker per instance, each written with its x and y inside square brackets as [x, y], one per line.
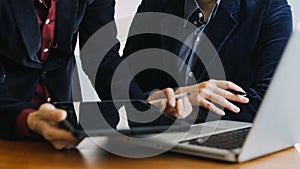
[47, 21]
[45, 50]
[200, 14]
[49, 99]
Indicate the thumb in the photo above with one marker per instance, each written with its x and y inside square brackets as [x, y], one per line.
[50, 113]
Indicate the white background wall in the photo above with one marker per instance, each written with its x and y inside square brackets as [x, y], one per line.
[296, 13]
[125, 9]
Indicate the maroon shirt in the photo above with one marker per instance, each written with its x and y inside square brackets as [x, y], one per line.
[46, 16]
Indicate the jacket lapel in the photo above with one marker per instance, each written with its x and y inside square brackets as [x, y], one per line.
[26, 20]
[28, 26]
[65, 17]
[218, 33]
[224, 23]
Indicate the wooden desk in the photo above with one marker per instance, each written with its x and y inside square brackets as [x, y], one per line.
[41, 155]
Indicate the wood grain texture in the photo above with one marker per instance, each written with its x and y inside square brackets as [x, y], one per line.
[41, 155]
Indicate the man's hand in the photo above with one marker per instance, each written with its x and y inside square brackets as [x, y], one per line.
[179, 108]
[211, 92]
[44, 122]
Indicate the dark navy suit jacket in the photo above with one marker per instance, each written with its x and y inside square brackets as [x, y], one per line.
[20, 41]
[249, 36]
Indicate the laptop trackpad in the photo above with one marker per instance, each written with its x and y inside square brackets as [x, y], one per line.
[200, 131]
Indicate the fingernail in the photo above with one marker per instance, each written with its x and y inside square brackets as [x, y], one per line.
[173, 103]
[236, 109]
[63, 115]
[221, 113]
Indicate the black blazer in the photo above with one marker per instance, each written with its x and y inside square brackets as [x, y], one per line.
[249, 36]
[20, 40]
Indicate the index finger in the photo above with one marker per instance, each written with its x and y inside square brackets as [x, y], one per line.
[227, 85]
[170, 95]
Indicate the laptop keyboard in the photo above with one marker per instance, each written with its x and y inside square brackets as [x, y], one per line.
[228, 140]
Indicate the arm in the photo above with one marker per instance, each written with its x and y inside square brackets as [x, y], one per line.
[10, 108]
[275, 32]
[150, 80]
[18, 118]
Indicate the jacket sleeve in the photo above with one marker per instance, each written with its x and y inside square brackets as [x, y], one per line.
[276, 29]
[10, 108]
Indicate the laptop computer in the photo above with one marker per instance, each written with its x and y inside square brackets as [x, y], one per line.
[276, 126]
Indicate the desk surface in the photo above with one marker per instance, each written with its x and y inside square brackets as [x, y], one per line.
[41, 155]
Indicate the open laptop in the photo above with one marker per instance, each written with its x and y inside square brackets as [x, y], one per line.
[276, 126]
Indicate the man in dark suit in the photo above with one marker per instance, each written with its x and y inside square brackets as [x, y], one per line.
[37, 42]
[248, 35]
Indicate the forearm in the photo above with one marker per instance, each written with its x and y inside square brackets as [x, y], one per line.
[275, 32]
[10, 111]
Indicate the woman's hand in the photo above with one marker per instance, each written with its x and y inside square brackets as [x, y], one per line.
[44, 122]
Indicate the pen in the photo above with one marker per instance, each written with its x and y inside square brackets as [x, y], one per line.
[177, 96]
[237, 92]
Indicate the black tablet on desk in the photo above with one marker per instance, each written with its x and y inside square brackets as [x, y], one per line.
[101, 118]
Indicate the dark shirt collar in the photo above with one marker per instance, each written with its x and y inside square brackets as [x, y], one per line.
[192, 5]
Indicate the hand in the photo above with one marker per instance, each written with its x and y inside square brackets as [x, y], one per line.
[207, 93]
[179, 108]
[44, 122]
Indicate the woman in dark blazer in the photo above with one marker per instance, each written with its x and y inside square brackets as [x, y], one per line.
[29, 81]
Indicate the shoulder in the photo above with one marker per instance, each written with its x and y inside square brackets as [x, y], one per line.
[263, 3]
[260, 9]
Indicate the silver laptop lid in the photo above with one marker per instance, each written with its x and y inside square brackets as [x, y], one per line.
[277, 122]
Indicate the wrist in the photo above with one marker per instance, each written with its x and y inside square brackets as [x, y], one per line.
[21, 126]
